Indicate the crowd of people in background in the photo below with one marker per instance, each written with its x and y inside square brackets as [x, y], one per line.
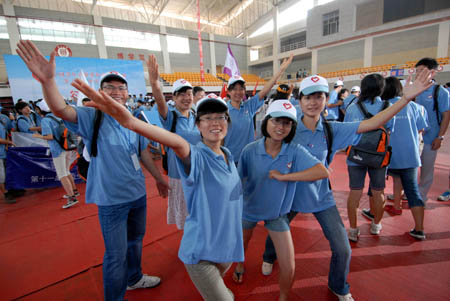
[234, 162]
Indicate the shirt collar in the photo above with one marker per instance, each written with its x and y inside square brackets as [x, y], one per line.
[261, 149]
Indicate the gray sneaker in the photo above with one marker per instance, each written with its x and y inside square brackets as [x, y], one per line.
[145, 282]
[375, 229]
[70, 203]
[353, 234]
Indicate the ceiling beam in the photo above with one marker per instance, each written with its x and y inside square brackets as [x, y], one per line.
[187, 6]
[161, 9]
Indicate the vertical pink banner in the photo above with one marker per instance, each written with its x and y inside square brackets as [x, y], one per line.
[200, 48]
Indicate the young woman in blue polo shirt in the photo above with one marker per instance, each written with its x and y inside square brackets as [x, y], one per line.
[269, 168]
[317, 197]
[404, 164]
[242, 131]
[212, 237]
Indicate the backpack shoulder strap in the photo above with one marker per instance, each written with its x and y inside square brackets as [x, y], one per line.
[97, 121]
[329, 137]
[351, 101]
[363, 110]
[174, 122]
[436, 104]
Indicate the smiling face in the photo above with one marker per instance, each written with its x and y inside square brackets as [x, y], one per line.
[183, 100]
[237, 92]
[117, 90]
[312, 105]
[213, 127]
[279, 128]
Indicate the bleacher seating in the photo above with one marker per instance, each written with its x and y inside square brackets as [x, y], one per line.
[210, 80]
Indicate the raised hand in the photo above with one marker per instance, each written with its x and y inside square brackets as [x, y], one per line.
[43, 69]
[152, 66]
[286, 62]
[103, 102]
[423, 81]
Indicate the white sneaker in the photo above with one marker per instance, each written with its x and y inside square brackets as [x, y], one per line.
[347, 297]
[375, 229]
[145, 282]
[70, 203]
[353, 234]
[266, 268]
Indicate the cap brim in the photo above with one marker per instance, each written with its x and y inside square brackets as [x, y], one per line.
[282, 114]
[181, 87]
[314, 89]
[212, 105]
[236, 81]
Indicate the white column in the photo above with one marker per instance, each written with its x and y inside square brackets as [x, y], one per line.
[368, 47]
[165, 49]
[444, 29]
[276, 41]
[11, 25]
[212, 53]
[314, 61]
[100, 37]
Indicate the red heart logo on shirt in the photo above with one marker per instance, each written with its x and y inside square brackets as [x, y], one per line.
[315, 79]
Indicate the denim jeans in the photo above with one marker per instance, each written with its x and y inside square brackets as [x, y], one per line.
[334, 230]
[123, 228]
[408, 177]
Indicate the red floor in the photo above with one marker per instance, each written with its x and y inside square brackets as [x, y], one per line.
[48, 253]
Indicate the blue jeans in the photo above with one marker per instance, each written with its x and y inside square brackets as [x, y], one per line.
[123, 228]
[408, 177]
[334, 230]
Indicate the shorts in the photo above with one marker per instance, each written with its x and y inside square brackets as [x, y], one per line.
[357, 177]
[280, 224]
[2, 171]
[62, 165]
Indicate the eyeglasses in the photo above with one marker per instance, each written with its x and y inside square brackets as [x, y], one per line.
[281, 121]
[110, 88]
[220, 119]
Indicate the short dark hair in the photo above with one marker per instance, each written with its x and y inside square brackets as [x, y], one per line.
[428, 62]
[392, 89]
[372, 85]
[20, 106]
[240, 83]
[197, 89]
[288, 138]
[182, 90]
[342, 92]
[447, 85]
[282, 92]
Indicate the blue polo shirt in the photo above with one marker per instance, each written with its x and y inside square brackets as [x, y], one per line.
[333, 113]
[24, 123]
[266, 198]
[426, 99]
[353, 113]
[350, 100]
[112, 176]
[405, 138]
[51, 127]
[213, 193]
[2, 146]
[7, 123]
[317, 196]
[241, 131]
[187, 129]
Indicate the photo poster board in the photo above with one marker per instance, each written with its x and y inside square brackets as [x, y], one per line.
[24, 85]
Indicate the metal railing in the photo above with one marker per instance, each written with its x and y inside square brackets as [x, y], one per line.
[285, 48]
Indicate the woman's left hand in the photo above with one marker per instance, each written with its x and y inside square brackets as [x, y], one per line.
[423, 81]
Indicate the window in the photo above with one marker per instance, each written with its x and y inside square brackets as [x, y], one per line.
[3, 29]
[254, 54]
[131, 39]
[40, 30]
[331, 23]
[177, 44]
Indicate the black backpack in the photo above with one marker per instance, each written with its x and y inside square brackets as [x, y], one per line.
[67, 140]
[436, 104]
[373, 148]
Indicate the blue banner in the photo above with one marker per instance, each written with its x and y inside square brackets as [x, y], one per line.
[32, 167]
[24, 86]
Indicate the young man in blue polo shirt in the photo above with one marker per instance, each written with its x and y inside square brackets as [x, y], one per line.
[115, 179]
[434, 135]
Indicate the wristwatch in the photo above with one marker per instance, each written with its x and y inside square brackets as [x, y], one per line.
[440, 137]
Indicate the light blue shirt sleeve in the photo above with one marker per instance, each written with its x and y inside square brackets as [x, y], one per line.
[253, 104]
[23, 125]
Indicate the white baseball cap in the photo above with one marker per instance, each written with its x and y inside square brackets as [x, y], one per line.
[42, 105]
[112, 75]
[180, 84]
[282, 108]
[214, 101]
[313, 84]
[356, 89]
[235, 79]
[338, 83]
